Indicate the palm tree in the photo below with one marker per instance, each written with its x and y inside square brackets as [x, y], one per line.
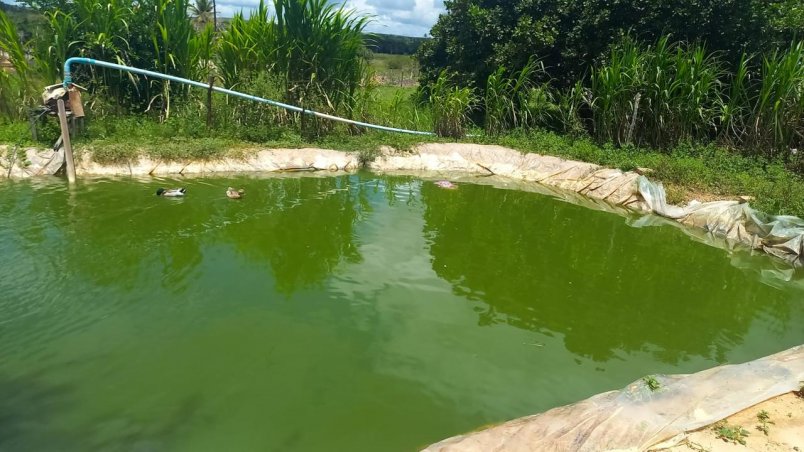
[204, 11]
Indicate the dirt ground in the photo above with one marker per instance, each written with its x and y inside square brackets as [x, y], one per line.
[784, 425]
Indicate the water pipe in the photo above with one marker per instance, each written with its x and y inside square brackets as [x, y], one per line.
[92, 62]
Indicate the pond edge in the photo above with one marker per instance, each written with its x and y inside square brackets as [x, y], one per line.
[732, 221]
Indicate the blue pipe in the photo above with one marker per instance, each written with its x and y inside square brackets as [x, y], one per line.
[92, 62]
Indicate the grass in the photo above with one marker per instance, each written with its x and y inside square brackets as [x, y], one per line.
[687, 171]
[730, 433]
[764, 421]
[395, 70]
[652, 383]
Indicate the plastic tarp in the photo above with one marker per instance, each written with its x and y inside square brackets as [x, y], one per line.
[781, 235]
[636, 418]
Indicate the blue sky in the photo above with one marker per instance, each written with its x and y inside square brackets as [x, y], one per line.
[399, 17]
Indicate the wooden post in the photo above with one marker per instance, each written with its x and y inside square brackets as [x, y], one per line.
[32, 121]
[209, 101]
[68, 147]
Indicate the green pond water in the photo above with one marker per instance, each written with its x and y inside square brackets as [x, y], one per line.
[357, 312]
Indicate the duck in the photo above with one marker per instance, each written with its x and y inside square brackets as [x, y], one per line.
[171, 192]
[232, 193]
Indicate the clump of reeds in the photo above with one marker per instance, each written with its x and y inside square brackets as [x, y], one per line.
[668, 93]
[776, 121]
[510, 100]
[655, 95]
[15, 86]
[450, 106]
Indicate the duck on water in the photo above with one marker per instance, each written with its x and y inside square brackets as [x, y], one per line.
[233, 193]
[171, 192]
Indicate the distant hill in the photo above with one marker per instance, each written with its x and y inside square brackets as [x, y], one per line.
[393, 44]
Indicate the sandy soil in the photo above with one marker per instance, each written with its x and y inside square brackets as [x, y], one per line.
[785, 427]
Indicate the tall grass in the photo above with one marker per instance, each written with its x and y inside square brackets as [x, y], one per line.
[508, 98]
[735, 107]
[236, 51]
[312, 48]
[16, 91]
[669, 93]
[655, 95]
[171, 38]
[450, 107]
[320, 53]
[202, 54]
[399, 107]
[777, 119]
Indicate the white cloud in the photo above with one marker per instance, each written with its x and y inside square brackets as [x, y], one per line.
[400, 17]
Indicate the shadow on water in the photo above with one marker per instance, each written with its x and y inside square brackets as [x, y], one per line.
[555, 267]
[31, 418]
[115, 431]
[28, 406]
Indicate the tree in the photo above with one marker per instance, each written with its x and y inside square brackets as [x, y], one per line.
[45, 5]
[474, 37]
[203, 12]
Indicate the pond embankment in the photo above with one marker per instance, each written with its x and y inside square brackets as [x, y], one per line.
[677, 411]
[730, 221]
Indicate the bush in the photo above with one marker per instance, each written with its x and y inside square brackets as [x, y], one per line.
[475, 37]
[450, 106]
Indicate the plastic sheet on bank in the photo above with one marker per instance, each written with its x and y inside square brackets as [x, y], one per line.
[636, 418]
[781, 235]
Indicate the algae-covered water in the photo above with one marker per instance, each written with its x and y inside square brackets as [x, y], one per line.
[356, 312]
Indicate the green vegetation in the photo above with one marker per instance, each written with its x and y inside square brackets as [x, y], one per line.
[764, 420]
[311, 52]
[628, 73]
[513, 101]
[396, 70]
[652, 383]
[475, 37]
[393, 44]
[730, 433]
[203, 13]
[16, 84]
[688, 171]
[450, 106]
[659, 96]
[707, 127]
[28, 22]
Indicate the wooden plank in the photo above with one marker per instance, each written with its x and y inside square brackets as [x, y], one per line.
[68, 147]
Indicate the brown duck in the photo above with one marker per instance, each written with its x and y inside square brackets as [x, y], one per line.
[232, 193]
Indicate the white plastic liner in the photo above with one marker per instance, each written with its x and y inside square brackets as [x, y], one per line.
[636, 418]
[782, 235]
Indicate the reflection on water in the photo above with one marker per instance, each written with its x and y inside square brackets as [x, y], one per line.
[353, 312]
[603, 286]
